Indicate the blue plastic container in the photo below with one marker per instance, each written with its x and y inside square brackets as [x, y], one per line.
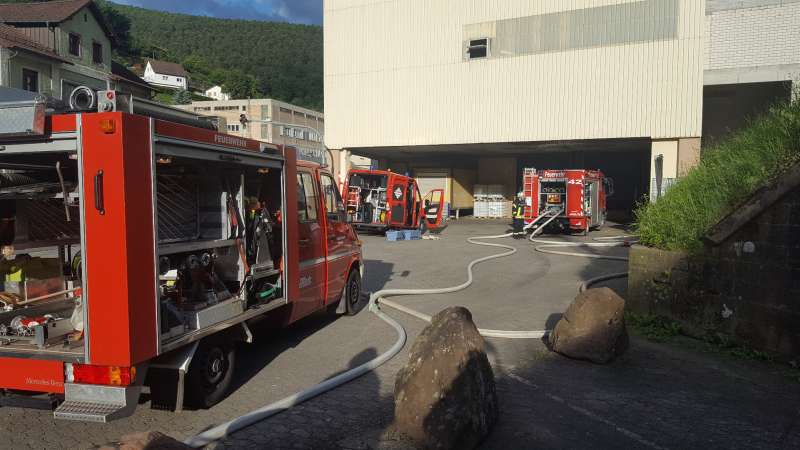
[412, 235]
[394, 236]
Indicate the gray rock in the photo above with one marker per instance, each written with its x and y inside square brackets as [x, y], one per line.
[593, 328]
[445, 396]
[148, 440]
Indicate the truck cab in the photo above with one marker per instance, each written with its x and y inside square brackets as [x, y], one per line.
[139, 246]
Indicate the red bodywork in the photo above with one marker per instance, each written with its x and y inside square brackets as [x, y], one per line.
[116, 151]
[579, 194]
[398, 206]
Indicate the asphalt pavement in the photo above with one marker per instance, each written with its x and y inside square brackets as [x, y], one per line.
[656, 396]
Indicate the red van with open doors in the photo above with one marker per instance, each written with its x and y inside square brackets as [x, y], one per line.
[380, 200]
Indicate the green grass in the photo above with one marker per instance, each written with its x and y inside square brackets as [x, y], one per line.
[727, 175]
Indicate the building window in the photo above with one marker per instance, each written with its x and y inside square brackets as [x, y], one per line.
[97, 53]
[164, 77]
[180, 80]
[285, 110]
[30, 80]
[226, 108]
[74, 44]
[478, 48]
[234, 127]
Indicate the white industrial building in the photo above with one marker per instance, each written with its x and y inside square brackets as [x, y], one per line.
[464, 92]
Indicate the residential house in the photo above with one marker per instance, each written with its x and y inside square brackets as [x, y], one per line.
[166, 74]
[54, 47]
[217, 94]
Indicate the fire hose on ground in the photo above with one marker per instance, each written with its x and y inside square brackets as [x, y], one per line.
[378, 299]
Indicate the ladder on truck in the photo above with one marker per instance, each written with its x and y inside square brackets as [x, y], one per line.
[550, 214]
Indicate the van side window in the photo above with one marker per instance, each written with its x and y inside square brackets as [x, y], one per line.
[306, 198]
[333, 200]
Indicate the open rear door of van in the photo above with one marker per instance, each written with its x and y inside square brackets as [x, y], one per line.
[434, 209]
[397, 188]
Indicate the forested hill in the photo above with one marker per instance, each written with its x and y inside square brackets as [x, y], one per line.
[252, 58]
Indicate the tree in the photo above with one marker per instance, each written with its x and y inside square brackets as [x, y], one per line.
[197, 65]
[241, 85]
[182, 97]
[120, 25]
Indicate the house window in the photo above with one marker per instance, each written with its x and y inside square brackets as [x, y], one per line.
[180, 80]
[97, 53]
[30, 80]
[74, 44]
[164, 77]
[234, 127]
[478, 48]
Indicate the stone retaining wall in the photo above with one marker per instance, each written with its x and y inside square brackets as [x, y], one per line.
[748, 287]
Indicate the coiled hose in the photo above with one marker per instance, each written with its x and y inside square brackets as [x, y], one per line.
[378, 299]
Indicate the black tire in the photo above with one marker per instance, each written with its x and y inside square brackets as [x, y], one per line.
[352, 293]
[210, 373]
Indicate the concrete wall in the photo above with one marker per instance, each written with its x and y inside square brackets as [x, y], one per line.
[396, 74]
[747, 287]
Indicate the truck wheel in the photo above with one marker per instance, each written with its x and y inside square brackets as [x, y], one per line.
[352, 293]
[210, 373]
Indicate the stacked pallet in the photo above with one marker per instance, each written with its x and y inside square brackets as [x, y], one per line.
[490, 202]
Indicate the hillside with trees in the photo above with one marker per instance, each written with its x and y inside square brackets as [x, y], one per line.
[249, 58]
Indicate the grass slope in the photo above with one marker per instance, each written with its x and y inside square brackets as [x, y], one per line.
[726, 176]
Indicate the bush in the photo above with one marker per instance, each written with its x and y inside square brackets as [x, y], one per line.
[728, 174]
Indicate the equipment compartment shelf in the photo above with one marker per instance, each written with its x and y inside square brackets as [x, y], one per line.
[193, 246]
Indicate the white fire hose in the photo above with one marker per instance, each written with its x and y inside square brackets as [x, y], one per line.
[377, 299]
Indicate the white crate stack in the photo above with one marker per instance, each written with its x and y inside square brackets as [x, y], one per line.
[490, 202]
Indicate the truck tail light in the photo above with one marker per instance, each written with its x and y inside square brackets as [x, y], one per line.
[105, 375]
[108, 126]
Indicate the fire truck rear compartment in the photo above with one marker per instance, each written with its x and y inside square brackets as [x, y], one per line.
[40, 304]
[219, 243]
[367, 198]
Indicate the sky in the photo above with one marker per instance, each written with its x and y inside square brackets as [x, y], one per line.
[295, 11]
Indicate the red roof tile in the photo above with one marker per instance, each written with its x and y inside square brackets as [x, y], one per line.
[56, 11]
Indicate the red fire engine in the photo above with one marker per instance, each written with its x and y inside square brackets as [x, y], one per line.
[380, 200]
[572, 200]
[139, 245]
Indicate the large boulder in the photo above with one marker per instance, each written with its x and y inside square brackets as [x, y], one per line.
[593, 328]
[148, 440]
[445, 396]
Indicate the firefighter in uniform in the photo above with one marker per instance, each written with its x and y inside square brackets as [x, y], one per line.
[518, 212]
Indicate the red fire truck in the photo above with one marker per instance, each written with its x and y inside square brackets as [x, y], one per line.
[140, 243]
[573, 200]
[380, 200]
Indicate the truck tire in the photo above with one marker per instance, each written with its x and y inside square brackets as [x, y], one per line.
[210, 373]
[352, 293]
